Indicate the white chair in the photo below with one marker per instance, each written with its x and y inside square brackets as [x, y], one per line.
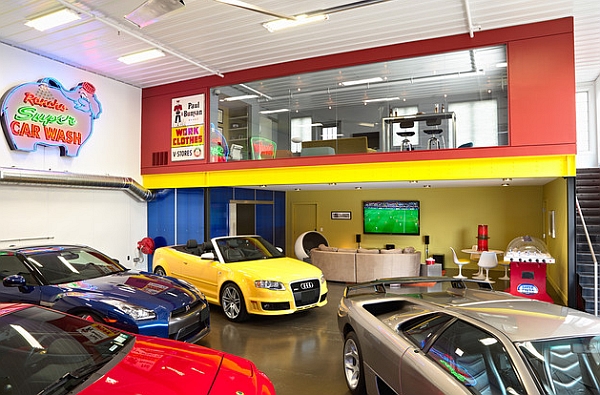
[506, 264]
[460, 263]
[487, 261]
[475, 258]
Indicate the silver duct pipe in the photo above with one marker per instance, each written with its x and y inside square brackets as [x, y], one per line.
[72, 180]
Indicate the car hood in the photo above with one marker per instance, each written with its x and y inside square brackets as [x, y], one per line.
[142, 289]
[155, 366]
[278, 269]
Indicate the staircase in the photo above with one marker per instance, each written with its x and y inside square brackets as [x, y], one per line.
[587, 187]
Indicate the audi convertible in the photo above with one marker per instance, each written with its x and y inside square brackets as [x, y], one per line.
[244, 275]
[460, 337]
[47, 352]
[82, 281]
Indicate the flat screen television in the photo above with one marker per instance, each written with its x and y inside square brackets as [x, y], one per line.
[392, 217]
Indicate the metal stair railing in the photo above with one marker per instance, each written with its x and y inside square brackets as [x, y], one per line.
[587, 237]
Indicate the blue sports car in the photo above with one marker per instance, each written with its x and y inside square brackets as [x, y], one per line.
[82, 281]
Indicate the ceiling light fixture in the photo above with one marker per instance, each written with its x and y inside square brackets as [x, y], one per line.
[242, 97]
[152, 10]
[141, 56]
[53, 19]
[274, 111]
[360, 82]
[297, 20]
[381, 99]
[126, 30]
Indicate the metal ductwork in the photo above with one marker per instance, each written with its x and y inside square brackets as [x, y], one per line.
[72, 180]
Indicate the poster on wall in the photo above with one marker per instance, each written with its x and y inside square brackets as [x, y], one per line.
[45, 113]
[187, 128]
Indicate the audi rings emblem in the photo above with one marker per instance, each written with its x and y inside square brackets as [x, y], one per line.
[306, 285]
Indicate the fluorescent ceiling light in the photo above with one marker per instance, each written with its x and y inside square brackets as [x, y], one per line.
[298, 20]
[275, 111]
[381, 99]
[54, 19]
[502, 64]
[243, 97]
[152, 10]
[363, 81]
[141, 56]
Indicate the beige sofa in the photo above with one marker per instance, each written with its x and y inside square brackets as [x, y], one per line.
[352, 266]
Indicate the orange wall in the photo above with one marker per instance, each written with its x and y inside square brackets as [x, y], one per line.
[541, 90]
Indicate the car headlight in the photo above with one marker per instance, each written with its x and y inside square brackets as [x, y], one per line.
[268, 284]
[136, 312]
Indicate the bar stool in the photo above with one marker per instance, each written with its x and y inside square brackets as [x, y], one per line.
[406, 144]
[434, 142]
[406, 124]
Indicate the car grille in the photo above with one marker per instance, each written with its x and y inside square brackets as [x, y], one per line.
[306, 292]
[189, 320]
[183, 310]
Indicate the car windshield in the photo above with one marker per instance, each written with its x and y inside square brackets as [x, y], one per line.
[246, 248]
[565, 366]
[66, 265]
[48, 352]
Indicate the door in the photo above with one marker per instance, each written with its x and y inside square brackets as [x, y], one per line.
[304, 219]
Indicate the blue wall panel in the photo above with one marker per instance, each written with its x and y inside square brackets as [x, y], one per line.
[161, 220]
[219, 211]
[164, 225]
[279, 219]
[264, 221]
[190, 215]
[243, 194]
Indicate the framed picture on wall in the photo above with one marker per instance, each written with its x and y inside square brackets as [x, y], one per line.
[341, 215]
[220, 116]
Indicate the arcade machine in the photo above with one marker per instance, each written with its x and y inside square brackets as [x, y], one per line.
[528, 257]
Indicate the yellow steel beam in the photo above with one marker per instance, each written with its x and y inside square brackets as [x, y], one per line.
[451, 169]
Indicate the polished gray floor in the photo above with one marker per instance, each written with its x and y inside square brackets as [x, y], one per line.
[301, 353]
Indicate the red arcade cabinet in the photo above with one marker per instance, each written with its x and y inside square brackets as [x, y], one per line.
[528, 257]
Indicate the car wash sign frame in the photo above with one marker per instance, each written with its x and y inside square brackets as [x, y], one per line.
[44, 113]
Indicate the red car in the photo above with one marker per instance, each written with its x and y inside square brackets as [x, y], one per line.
[49, 352]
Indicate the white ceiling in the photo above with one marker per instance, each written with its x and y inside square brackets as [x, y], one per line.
[206, 34]
[206, 37]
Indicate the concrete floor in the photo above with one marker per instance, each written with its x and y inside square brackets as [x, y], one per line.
[301, 353]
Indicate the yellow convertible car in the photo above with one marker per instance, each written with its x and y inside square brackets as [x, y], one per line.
[245, 275]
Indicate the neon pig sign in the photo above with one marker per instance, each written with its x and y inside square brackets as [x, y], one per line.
[45, 113]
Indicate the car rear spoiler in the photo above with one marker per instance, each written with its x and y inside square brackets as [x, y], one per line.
[380, 285]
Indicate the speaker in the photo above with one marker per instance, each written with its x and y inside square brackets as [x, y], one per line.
[426, 239]
[358, 237]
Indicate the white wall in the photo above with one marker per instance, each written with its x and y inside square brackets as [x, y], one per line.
[109, 220]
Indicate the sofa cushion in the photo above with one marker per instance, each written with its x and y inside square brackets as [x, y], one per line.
[367, 251]
[392, 251]
[323, 247]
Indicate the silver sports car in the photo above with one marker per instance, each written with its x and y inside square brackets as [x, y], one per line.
[445, 336]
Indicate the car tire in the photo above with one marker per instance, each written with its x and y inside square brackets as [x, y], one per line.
[159, 271]
[353, 365]
[233, 304]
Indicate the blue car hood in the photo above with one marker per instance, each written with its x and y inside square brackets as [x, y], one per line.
[142, 289]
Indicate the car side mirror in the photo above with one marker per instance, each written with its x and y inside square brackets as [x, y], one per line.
[16, 280]
[208, 255]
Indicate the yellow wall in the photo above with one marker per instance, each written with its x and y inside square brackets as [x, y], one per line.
[555, 195]
[448, 215]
